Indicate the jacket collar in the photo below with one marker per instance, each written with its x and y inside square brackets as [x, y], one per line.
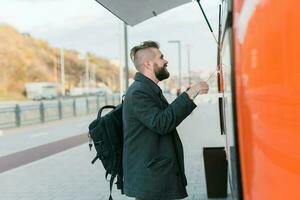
[142, 78]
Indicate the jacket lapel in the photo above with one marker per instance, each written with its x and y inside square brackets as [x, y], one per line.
[161, 96]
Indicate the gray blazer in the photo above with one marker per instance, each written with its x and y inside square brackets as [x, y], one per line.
[153, 163]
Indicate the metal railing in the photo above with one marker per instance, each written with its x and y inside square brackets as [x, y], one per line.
[41, 112]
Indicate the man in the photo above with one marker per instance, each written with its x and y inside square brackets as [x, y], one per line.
[153, 164]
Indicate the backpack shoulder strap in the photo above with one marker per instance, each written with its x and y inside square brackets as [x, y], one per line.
[111, 182]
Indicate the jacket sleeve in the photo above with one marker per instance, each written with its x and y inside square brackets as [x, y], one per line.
[161, 121]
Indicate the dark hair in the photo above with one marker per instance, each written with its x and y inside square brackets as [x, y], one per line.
[143, 45]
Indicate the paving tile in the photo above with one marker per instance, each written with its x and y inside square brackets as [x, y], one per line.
[70, 175]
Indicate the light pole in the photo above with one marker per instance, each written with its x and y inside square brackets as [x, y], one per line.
[179, 60]
[126, 56]
[124, 71]
[85, 77]
[93, 76]
[87, 74]
[189, 64]
[55, 68]
[62, 72]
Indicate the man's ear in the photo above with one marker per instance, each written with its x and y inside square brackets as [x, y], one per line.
[148, 64]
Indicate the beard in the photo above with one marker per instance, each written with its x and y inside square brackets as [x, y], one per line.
[161, 73]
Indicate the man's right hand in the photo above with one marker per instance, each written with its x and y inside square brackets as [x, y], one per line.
[199, 88]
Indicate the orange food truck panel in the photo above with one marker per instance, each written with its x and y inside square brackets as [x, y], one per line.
[267, 66]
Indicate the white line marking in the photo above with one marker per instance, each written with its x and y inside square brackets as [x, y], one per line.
[39, 134]
[1, 132]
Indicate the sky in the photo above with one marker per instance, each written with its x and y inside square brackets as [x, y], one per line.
[85, 26]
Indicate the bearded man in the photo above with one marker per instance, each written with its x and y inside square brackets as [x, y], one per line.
[153, 163]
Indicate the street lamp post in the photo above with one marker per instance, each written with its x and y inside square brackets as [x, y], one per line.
[126, 56]
[179, 60]
[87, 74]
[62, 71]
[189, 64]
[93, 78]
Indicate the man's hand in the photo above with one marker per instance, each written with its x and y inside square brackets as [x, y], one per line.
[199, 88]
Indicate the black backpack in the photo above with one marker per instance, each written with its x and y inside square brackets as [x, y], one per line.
[106, 132]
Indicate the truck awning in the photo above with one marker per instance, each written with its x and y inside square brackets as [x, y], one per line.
[133, 12]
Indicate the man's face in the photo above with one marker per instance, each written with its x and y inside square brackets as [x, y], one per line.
[160, 66]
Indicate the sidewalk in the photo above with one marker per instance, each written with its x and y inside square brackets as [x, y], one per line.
[70, 176]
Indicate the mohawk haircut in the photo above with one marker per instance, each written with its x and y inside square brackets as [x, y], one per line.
[143, 45]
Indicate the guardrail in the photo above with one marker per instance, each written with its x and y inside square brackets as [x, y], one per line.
[41, 112]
